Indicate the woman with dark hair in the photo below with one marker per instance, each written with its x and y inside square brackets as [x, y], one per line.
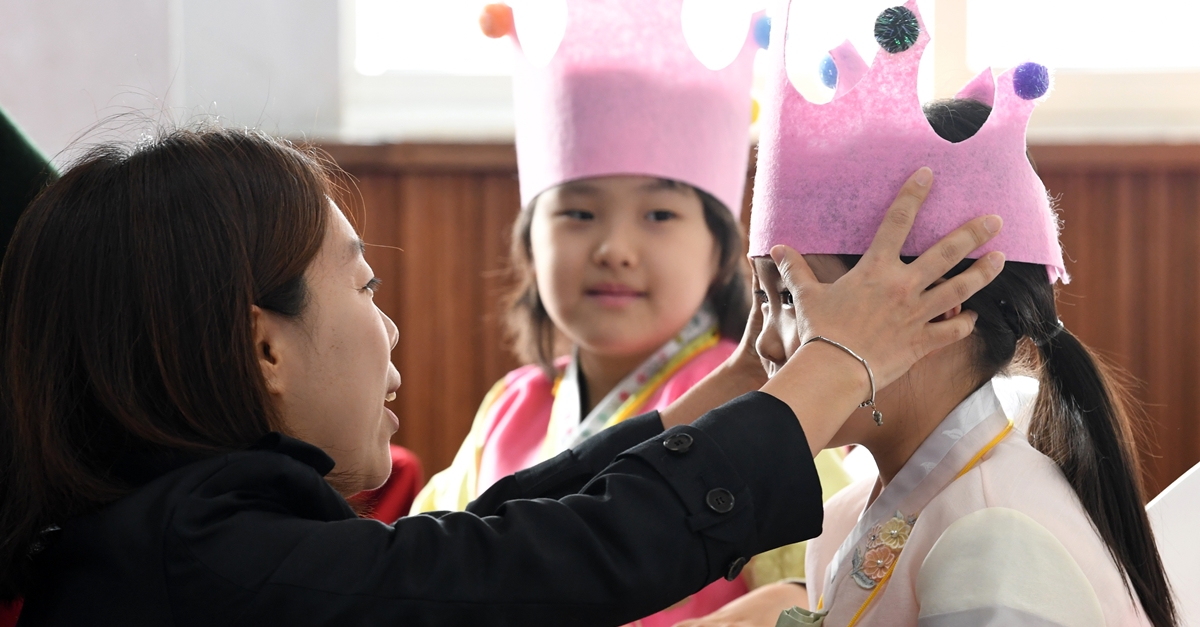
[192, 380]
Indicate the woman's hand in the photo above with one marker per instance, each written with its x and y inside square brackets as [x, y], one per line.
[880, 309]
[745, 361]
[739, 374]
[758, 608]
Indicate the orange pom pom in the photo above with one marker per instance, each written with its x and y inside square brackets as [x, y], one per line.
[496, 20]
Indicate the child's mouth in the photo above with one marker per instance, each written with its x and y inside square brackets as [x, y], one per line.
[613, 294]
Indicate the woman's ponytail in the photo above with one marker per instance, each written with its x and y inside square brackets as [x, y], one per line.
[1082, 421]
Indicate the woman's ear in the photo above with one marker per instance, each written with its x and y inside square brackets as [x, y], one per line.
[268, 348]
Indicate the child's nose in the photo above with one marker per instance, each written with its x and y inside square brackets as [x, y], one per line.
[769, 345]
[617, 249]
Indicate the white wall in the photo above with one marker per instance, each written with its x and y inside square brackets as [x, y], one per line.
[65, 65]
[271, 64]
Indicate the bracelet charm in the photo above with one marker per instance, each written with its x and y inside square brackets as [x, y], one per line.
[870, 402]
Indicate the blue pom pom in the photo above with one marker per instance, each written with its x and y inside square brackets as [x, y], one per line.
[762, 32]
[1031, 80]
[829, 72]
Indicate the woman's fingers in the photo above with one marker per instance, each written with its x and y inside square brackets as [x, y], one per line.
[942, 334]
[898, 221]
[957, 290]
[793, 269]
[754, 322]
[944, 255]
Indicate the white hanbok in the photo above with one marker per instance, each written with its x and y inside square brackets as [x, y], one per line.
[978, 528]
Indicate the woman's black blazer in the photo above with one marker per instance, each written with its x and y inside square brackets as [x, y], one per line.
[620, 527]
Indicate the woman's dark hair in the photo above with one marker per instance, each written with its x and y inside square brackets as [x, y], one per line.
[125, 305]
[1083, 417]
[534, 336]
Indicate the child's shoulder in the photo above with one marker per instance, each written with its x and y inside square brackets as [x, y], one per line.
[529, 374]
[1014, 476]
[516, 388]
[700, 365]
[688, 375]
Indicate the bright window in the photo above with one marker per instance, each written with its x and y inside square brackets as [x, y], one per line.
[426, 37]
[1096, 35]
[422, 71]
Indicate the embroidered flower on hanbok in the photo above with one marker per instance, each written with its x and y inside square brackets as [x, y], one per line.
[877, 561]
[894, 533]
[873, 560]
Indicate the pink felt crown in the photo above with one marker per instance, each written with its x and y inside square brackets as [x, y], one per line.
[828, 172]
[624, 94]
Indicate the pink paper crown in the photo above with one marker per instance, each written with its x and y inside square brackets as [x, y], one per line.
[828, 172]
[624, 94]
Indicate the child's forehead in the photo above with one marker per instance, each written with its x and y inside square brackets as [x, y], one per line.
[765, 268]
[615, 185]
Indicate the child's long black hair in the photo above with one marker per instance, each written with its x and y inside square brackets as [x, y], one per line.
[1082, 418]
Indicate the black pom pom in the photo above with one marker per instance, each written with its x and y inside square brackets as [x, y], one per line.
[896, 29]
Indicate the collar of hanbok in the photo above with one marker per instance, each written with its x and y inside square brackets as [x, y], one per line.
[567, 428]
[970, 428]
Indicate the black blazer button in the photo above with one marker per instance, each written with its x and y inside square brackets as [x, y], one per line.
[678, 443]
[719, 500]
[735, 569]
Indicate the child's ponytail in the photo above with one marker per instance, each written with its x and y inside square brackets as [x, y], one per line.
[1082, 421]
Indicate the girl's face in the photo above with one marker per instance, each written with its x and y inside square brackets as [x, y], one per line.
[929, 382]
[329, 371]
[784, 324]
[622, 262]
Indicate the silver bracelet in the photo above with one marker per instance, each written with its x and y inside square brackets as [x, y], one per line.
[870, 402]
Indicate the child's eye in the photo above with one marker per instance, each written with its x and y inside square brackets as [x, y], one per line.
[578, 214]
[661, 215]
[761, 296]
[373, 284]
[785, 297]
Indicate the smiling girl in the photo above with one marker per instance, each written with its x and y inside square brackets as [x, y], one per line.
[628, 253]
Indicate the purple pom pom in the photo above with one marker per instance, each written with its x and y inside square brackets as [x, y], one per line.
[829, 73]
[762, 32]
[1031, 80]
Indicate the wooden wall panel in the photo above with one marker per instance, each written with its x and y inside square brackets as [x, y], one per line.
[1132, 216]
[1131, 234]
[436, 232]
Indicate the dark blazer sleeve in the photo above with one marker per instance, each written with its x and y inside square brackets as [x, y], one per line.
[659, 522]
[572, 469]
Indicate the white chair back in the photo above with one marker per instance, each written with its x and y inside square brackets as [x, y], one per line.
[1174, 515]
